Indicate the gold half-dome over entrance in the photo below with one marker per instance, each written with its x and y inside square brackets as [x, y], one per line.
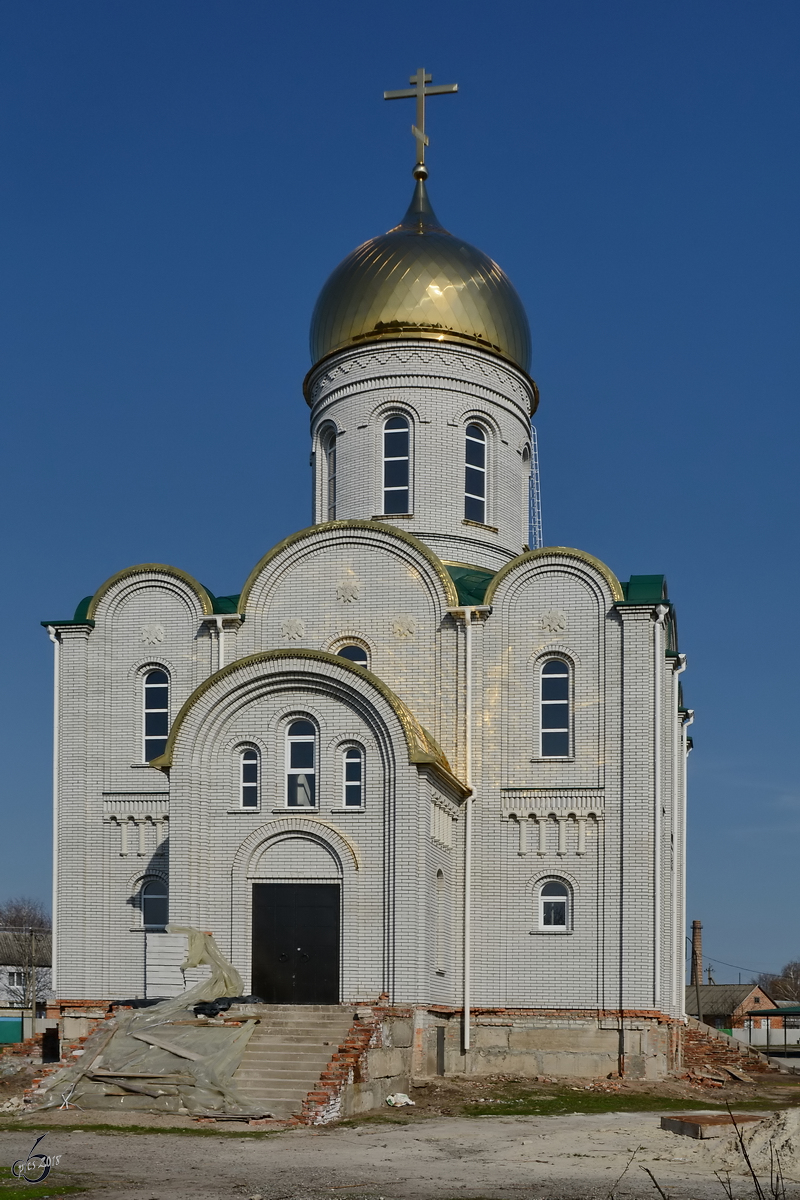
[418, 281]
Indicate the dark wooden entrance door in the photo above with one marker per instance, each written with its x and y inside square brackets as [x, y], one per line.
[296, 943]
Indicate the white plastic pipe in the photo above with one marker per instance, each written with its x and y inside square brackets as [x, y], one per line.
[467, 821]
[54, 638]
[466, 614]
[677, 848]
[220, 644]
[658, 676]
[689, 718]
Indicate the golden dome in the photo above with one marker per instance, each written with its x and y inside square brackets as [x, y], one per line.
[418, 281]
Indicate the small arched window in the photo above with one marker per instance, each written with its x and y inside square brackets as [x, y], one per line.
[554, 906]
[154, 902]
[475, 475]
[353, 777]
[156, 713]
[328, 446]
[396, 466]
[355, 654]
[249, 778]
[301, 755]
[555, 730]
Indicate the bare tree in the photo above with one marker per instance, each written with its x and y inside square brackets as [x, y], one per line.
[21, 912]
[26, 946]
[785, 985]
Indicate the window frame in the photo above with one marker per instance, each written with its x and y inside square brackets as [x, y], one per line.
[327, 444]
[243, 753]
[289, 771]
[353, 748]
[407, 458]
[144, 885]
[545, 702]
[146, 673]
[541, 900]
[353, 645]
[484, 469]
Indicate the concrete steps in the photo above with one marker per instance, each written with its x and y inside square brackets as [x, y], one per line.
[288, 1051]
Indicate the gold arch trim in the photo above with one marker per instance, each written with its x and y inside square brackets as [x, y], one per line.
[422, 746]
[549, 552]
[157, 568]
[369, 526]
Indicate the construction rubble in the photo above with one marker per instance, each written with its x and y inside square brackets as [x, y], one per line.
[178, 1055]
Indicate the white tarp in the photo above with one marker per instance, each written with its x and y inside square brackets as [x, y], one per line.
[164, 1058]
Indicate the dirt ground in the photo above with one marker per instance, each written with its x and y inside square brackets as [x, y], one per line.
[553, 1141]
[564, 1157]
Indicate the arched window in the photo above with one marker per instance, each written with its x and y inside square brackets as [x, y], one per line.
[554, 906]
[555, 730]
[328, 446]
[154, 902]
[475, 475]
[248, 778]
[156, 713]
[354, 777]
[301, 778]
[356, 654]
[396, 466]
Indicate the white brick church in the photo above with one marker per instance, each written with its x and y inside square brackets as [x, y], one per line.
[412, 758]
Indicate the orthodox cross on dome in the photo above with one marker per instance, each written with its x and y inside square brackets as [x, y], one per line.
[419, 92]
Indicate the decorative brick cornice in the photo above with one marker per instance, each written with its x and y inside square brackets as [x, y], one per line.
[409, 361]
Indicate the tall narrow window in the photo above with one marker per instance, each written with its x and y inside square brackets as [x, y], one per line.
[475, 475]
[554, 905]
[396, 462]
[301, 780]
[156, 714]
[354, 777]
[249, 780]
[329, 450]
[154, 903]
[356, 654]
[555, 709]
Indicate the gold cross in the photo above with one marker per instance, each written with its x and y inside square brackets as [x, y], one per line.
[419, 91]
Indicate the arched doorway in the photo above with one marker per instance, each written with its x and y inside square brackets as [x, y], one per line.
[296, 923]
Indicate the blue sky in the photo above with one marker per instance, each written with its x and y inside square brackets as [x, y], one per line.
[179, 177]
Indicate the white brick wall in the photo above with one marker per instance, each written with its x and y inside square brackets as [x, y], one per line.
[115, 812]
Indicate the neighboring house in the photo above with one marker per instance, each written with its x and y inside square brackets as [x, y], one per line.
[15, 987]
[15, 993]
[726, 1005]
[12, 987]
[22, 952]
[294, 767]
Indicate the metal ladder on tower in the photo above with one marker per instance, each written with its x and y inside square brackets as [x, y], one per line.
[535, 537]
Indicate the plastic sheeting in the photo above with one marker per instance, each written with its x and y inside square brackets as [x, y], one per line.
[164, 1058]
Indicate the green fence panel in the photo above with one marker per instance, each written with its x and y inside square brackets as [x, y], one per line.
[10, 1030]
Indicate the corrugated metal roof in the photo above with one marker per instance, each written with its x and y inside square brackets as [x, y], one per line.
[721, 999]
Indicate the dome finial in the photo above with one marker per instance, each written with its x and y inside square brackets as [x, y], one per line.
[419, 92]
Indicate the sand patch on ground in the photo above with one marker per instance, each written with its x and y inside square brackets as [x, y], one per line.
[778, 1135]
